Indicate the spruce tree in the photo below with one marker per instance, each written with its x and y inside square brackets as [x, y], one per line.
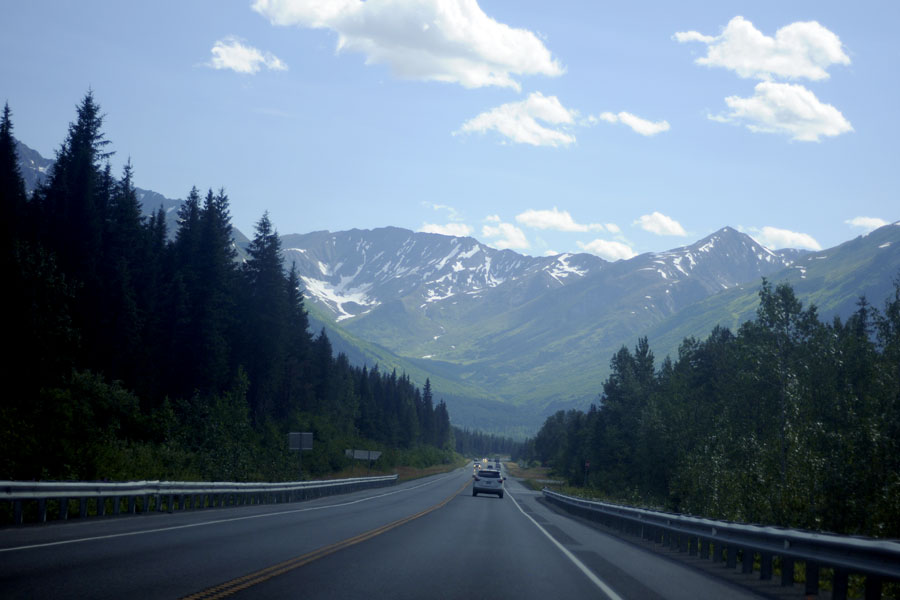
[12, 187]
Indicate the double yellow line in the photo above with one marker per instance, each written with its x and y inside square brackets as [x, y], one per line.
[242, 583]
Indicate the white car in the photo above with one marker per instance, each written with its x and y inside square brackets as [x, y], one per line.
[488, 481]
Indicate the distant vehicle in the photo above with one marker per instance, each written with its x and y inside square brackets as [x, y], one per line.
[488, 481]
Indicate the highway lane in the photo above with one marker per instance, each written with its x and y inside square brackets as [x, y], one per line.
[426, 538]
[169, 556]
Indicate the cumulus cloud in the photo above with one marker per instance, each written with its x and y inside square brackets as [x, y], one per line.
[867, 223]
[608, 249]
[232, 53]
[454, 229]
[639, 125]
[786, 108]
[803, 49]
[505, 236]
[429, 40]
[660, 224]
[775, 238]
[613, 228]
[518, 121]
[559, 220]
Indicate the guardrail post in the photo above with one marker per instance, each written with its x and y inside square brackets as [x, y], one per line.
[101, 506]
[839, 584]
[145, 503]
[765, 566]
[132, 505]
[787, 571]
[747, 563]
[873, 587]
[812, 579]
[731, 559]
[42, 510]
[17, 512]
[63, 509]
[117, 505]
[692, 546]
[82, 507]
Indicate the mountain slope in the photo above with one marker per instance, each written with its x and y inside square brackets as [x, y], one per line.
[533, 332]
[832, 279]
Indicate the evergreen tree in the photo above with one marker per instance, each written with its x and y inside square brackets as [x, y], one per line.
[12, 187]
[267, 315]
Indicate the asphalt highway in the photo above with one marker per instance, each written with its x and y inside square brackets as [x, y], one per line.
[428, 538]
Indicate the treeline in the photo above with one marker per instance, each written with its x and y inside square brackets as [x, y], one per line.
[478, 444]
[791, 422]
[133, 355]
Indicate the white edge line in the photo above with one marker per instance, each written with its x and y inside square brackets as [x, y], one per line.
[189, 525]
[590, 575]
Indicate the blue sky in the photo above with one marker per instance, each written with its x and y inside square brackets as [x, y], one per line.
[612, 128]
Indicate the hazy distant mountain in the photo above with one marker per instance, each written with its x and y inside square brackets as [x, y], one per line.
[36, 169]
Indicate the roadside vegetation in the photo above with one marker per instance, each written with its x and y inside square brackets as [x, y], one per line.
[790, 421]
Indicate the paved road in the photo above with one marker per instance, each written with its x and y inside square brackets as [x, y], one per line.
[428, 538]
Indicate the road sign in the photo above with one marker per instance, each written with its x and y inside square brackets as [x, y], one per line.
[300, 440]
[362, 454]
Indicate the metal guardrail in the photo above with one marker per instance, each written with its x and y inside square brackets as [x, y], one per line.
[144, 496]
[877, 560]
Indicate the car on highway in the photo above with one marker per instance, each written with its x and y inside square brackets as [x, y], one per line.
[488, 481]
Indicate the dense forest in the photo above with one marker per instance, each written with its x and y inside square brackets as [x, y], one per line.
[136, 354]
[790, 421]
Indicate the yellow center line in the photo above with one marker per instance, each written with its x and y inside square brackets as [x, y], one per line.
[242, 583]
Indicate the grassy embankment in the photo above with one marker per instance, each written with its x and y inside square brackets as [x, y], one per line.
[533, 477]
[404, 472]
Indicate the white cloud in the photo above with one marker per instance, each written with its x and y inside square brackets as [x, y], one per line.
[608, 249]
[867, 223]
[613, 228]
[554, 219]
[454, 229]
[787, 108]
[508, 236]
[802, 49]
[493, 218]
[660, 224]
[775, 238]
[231, 53]
[452, 213]
[518, 121]
[639, 125]
[430, 40]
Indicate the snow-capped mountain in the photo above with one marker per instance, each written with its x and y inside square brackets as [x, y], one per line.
[538, 332]
[353, 272]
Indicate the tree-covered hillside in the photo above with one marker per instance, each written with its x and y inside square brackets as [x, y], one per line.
[134, 355]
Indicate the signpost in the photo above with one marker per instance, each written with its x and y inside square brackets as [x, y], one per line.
[300, 441]
[369, 455]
